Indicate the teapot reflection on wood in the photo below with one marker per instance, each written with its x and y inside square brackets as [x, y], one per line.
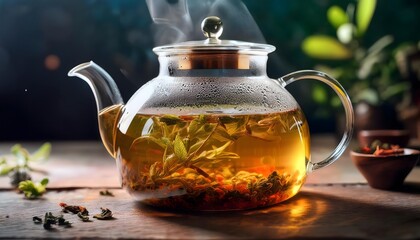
[211, 131]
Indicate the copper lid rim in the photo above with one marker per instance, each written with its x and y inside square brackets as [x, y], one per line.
[241, 47]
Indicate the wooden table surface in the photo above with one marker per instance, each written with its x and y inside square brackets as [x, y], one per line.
[335, 203]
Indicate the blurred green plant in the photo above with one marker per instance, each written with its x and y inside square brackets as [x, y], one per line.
[369, 74]
[18, 168]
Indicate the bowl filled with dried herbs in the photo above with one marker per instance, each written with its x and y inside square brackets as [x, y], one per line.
[390, 136]
[384, 166]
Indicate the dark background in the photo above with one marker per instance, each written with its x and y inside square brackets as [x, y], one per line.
[40, 41]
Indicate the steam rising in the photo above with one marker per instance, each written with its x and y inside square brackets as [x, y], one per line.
[179, 20]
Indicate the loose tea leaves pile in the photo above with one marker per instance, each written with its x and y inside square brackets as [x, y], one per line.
[50, 219]
[81, 212]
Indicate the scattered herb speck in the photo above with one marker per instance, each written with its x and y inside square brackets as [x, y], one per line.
[74, 209]
[37, 220]
[106, 193]
[84, 218]
[105, 214]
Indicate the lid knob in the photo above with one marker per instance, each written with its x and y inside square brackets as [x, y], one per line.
[212, 28]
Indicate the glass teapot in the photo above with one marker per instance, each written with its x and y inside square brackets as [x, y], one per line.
[211, 131]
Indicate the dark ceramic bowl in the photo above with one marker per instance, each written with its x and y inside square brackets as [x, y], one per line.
[395, 137]
[385, 172]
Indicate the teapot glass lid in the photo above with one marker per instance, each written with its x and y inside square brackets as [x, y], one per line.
[212, 28]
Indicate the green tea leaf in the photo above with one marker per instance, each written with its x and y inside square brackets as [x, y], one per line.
[217, 153]
[203, 132]
[21, 153]
[170, 119]
[179, 149]
[169, 162]
[44, 182]
[194, 126]
[15, 150]
[337, 16]
[218, 150]
[364, 13]
[228, 155]
[325, 47]
[159, 128]
[221, 134]
[196, 146]
[4, 170]
[227, 119]
[155, 170]
[33, 190]
[42, 153]
[141, 140]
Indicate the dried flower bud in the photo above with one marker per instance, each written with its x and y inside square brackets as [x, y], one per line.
[74, 209]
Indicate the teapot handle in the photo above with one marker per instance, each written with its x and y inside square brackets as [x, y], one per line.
[345, 100]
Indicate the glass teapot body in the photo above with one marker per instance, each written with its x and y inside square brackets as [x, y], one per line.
[211, 131]
[221, 138]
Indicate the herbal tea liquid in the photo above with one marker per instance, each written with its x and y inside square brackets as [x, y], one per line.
[211, 162]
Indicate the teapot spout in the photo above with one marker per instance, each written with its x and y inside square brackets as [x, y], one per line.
[108, 100]
[103, 86]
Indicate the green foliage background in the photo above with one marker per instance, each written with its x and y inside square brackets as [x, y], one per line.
[288, 23]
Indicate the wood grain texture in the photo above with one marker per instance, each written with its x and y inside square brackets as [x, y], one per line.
[318, 211]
